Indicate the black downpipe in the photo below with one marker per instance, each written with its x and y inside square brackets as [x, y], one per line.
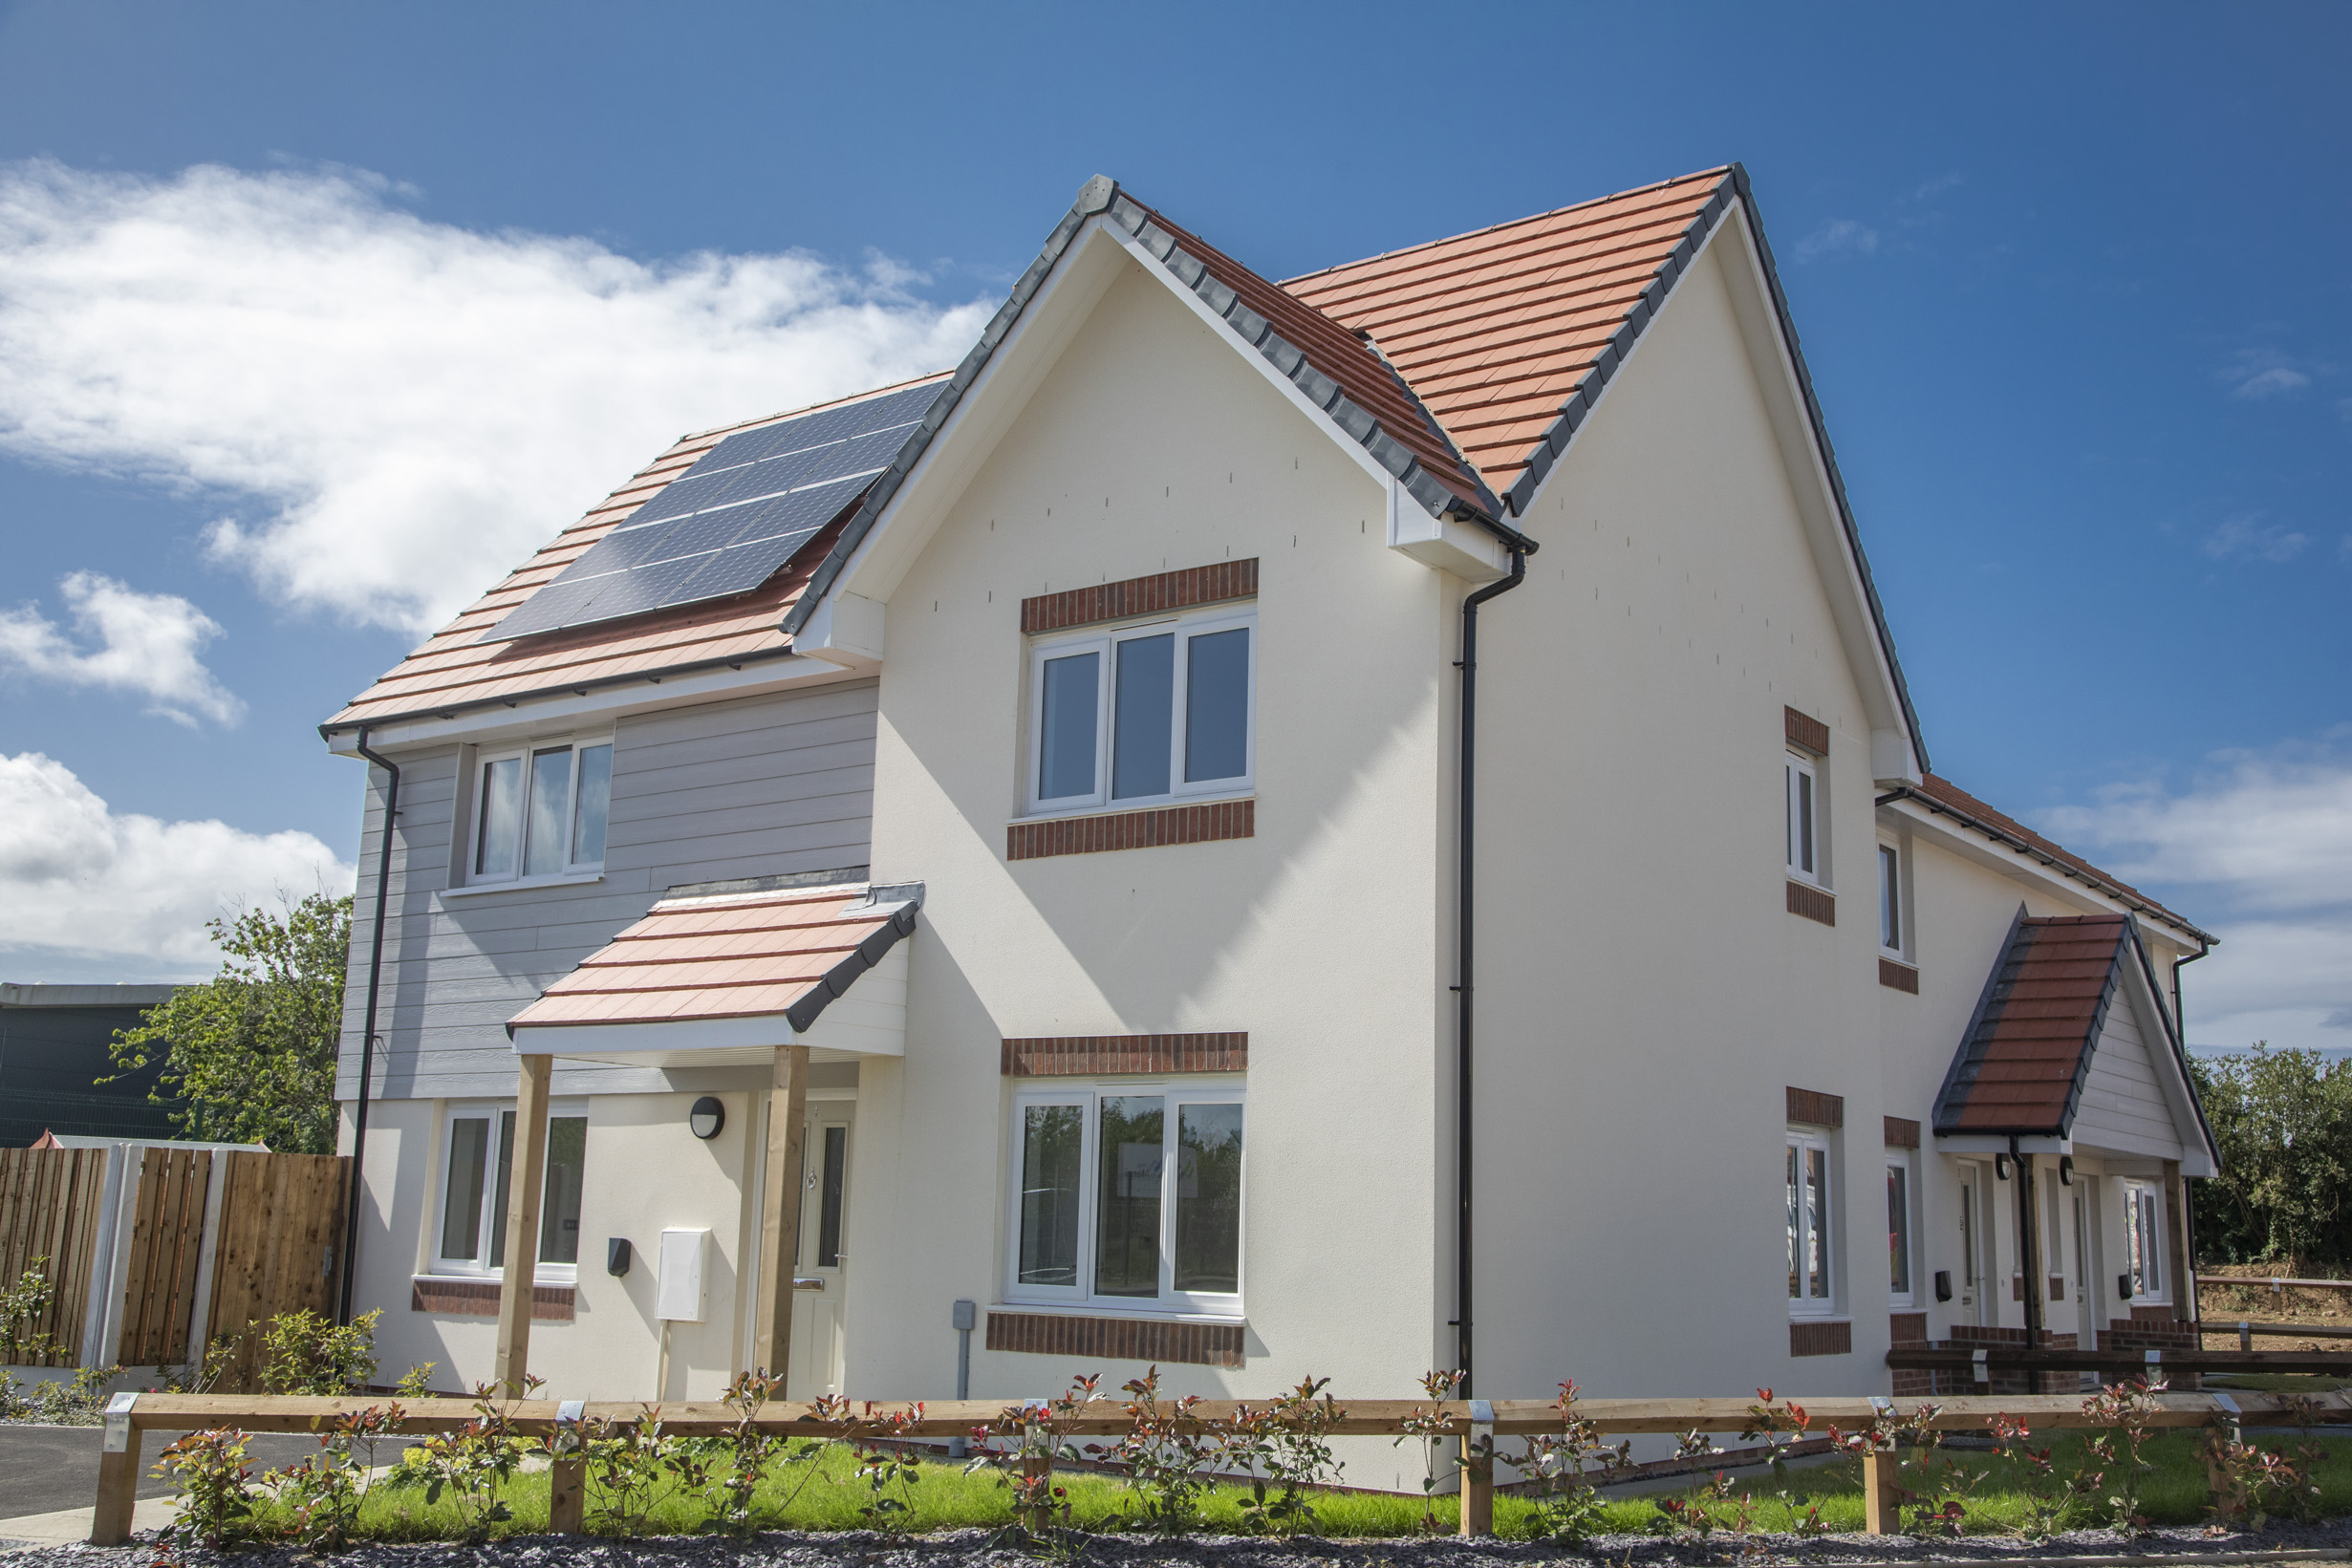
[2029, 1242]
[2189, 1204]
[1467, 807]
[367, 1029]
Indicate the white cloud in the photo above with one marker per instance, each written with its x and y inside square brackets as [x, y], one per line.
[392, 412]
[2256, 374]
[79, 879]
[147, 643]
[1838, 237]
[2260, 853]
[2247, 534]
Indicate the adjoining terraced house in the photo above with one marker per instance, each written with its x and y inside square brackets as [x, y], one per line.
[902, 858]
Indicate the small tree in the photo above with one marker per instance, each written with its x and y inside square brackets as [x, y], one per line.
[253, 1053]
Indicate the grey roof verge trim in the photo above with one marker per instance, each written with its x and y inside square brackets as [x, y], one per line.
[2129, 900]
[1101, 195]
[565, 688]
[1546, 453]
[842, 976]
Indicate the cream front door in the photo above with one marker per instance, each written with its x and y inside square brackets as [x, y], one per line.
[818, 1331]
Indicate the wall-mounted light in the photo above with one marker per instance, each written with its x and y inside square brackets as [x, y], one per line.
[2122, 1285]
[2065, 1170]
[1943, 1284]
[616, 1255]
[2001, 1167]
[707, 1117]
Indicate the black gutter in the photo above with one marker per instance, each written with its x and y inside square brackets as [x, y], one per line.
[367, 1029]
[1466, 871]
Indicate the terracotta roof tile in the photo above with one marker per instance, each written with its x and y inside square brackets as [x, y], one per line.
[1495, 329]
[2020, 1069]
[732, 956]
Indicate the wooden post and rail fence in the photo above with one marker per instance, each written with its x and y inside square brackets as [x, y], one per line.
[1471, 1421]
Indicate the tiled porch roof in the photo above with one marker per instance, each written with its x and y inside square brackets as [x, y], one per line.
[2029, 1049]
[728, 955]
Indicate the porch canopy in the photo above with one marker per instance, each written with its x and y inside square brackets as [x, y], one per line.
[724, 978]
[717, 976]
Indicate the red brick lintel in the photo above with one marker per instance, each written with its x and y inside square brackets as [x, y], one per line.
[1139, 596]
[1146, 829]
[1116, 1339]
[1050, 1057]
[479, 1298]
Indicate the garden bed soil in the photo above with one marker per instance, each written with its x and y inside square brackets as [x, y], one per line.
[2330, 1540]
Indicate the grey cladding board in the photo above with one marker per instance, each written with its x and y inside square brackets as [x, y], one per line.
[729, 523]
[758, 786]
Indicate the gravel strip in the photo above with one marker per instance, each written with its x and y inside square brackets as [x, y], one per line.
[983, 1549]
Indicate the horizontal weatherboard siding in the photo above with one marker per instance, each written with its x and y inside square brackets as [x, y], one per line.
[758, 786]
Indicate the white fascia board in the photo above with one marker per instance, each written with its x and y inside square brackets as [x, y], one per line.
[648, 1043]
[1892, 755]
[1446, 543]
[597, 704]
[1991, 853]
[1998, 1143]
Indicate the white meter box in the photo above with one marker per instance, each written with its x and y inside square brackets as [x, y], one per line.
[678, 1296]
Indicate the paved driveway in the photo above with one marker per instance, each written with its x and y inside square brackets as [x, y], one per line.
[43, 1468]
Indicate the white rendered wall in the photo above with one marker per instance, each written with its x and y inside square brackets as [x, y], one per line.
[1152, 446]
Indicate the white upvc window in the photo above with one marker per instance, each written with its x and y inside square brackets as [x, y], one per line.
[477, 1169]
[1900, 1258]
[1803, 802]
[1811, 1289]
[1894, 935]
[1127, 1195]
[1143, 714]
[2143, 1241]
[540, 810]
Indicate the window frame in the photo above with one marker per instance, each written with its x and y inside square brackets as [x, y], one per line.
[1801, 1142]
[1796, 827]
[1893, 897]
[2149, 1247]
[1087, 1095]
[1105, 642]
[1899, 1164]
[476, 1268]
[485, 758]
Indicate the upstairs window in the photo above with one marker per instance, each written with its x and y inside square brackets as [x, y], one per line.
[540, 811]
[1143, 716]
[1804, 850]
[1890, 935]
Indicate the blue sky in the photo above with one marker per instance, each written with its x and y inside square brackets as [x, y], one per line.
[313, 318]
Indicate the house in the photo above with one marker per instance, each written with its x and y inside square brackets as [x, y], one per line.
[57, 1072]
[886, 857]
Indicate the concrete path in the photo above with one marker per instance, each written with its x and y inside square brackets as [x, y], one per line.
[48, 1478]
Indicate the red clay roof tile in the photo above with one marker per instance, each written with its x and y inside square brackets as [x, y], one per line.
[2021, 1066]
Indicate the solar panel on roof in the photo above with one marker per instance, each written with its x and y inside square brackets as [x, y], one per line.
[729, 523]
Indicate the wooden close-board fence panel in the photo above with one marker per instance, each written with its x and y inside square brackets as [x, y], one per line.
[48, 1218]
[167, 1239]
[281, 1235]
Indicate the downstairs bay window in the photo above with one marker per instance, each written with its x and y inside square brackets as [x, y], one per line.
[477, 1170]
[1129, 1196]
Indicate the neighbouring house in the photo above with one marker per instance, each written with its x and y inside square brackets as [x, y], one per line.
[57, 1072]
[884, 856]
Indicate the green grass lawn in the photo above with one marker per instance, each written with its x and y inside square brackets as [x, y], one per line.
[827, 1495]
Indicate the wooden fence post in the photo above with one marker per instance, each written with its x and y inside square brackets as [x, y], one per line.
[1882, 1514]
[110, 1522]
[1478, 1471]
[522, 1222]
[567, 1494]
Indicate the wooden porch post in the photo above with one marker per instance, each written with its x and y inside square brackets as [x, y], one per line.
[522, 1222]
[787, 1111]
